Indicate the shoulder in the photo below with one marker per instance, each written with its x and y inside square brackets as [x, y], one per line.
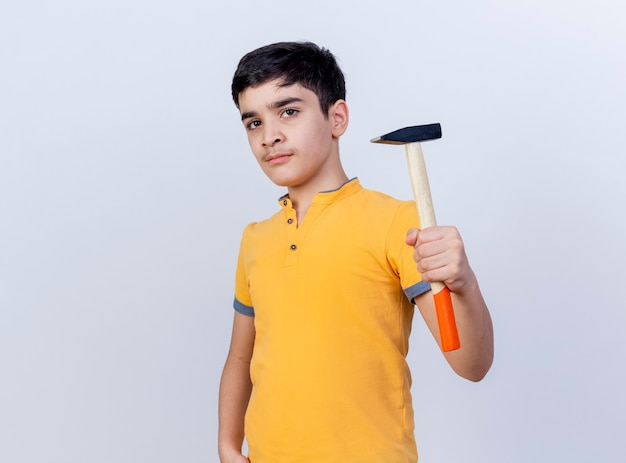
[383, 205]
[380, 214]
[379, 196]
[262, 227]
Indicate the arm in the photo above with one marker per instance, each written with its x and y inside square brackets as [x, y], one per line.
[440, 256]
[235, 389]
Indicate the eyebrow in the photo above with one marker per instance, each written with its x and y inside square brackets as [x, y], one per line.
[275, 105]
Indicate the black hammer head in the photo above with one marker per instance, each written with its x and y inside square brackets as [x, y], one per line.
[417, 133]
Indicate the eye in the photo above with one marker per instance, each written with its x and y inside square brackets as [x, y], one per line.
[290, 112]
[253, 124]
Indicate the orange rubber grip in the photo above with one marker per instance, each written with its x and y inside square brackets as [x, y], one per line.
[447, 323]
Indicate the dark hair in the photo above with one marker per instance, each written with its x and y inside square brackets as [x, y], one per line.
[304, 63]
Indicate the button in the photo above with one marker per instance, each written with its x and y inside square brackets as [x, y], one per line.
[293, 247]
[284, 202]
[290, 221]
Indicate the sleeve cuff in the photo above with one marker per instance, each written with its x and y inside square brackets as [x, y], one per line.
[243, 309]
[418, 288]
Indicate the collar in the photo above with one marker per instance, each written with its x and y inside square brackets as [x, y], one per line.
[330, 196]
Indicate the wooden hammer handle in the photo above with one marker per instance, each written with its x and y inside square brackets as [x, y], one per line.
[426, 213]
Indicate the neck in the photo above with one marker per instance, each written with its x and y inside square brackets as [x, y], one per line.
[302, 196]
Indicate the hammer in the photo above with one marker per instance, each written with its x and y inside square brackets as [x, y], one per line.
[411, 137]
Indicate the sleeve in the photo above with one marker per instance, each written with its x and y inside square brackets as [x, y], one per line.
[243, 300]
[401, 255]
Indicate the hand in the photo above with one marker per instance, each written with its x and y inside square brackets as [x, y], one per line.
[440, 256]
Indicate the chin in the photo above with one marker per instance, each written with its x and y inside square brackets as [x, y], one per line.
[285, 181]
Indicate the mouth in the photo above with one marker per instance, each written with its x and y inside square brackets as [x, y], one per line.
[277, 158]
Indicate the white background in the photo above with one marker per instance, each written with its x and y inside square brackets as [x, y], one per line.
[126, 180]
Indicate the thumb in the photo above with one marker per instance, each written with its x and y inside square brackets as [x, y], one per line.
[411, 236]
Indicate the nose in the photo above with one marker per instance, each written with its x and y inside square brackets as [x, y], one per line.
[271, 135]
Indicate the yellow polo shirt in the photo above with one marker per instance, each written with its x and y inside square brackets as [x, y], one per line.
[332, 305]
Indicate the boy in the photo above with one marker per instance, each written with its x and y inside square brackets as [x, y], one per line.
[324, 292]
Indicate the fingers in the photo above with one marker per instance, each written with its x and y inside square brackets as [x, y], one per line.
[440, 254]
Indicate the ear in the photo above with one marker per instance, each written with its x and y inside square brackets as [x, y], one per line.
[339, 115]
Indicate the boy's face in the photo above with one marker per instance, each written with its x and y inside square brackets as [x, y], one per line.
[292, 141]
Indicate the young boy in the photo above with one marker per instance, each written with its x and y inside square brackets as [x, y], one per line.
[324, 293]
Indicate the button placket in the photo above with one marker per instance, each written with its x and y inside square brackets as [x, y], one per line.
[292, 243]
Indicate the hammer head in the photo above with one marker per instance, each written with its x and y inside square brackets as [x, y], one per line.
[416, 133]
